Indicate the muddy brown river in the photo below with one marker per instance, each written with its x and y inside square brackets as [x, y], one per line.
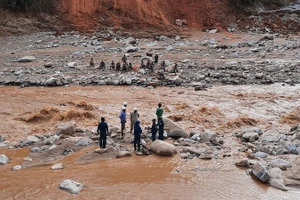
[149, 177]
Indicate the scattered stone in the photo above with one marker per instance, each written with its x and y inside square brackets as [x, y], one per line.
[72, 64]
[33, 139]
[184, 155]
[280, 163]
[51, 81]
[130, 49]
[100, 151]
[260, 172]
[35, 149]
[178, 133]
[271, 136]
[213, 31]
[276, 179]
[207, 155]
[208, 136]
[3, 159]
[57, 166]
[163, 148]
[71, 186]
[83, 142]
[27, 159]
[67, 128]
[261, 155]
[48, 65]
[250, 136]
[17, 168]
[193, 150]
[27, 59]
[122, 154]
[178, 22]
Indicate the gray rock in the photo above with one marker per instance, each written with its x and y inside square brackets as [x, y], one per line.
[243, 163]
[250, 136]
[196, 137]
[280, 163]
[260, 172]
[3, 159]
[2, 139]
[83, 142]
[122, 154]
[33, 139]
[178, 22]
[51, 139]
[260, 155]
[271, 136]
[184, 155]
[57, 166]
[48, 65]
[51, 81]
[194, 150]
[163, 148]
[35, 149]
[17, 168]
[67, 128]
[208, 136]
[71, 186]
[72, 64]
[213, 31]
[178, 133]
[27, 59]
[207, 155]
[170, 125]
[253, 129]
[130, 49]
[292, 148]
[276, 179]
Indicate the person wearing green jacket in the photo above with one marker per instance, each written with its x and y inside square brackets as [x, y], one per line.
[159, 111]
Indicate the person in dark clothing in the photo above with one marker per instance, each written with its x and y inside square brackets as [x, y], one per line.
[160, 129]
[102, 65]
[112, 65]
[154, 129]
[118, 66]
[156, 59]
[102, 130]
[137, 135]
[130, 67]
[123, 120]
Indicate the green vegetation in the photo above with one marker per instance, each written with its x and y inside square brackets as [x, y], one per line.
[32, 6]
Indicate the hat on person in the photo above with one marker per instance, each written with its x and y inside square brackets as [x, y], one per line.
[125, 104]
[135, 108]
[123, 108]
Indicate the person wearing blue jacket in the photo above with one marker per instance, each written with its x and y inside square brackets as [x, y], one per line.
[137, 135]
[123, 120]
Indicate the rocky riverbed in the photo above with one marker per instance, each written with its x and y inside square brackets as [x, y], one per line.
[235, 107]
[203, 59]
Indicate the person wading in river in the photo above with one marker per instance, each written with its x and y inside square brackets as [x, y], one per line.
[137, 135]
[102, 130]
[133, 118]
[123, 120]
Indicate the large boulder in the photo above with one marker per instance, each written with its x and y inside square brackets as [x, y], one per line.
[178, 133]
[71, 186]
[271, 136]
[170, 125]
[67, 128]
[51, 81]
[27, 59]
[292, 175]
[260, 172]
[3, 159]
[163, 148]
[276, 179]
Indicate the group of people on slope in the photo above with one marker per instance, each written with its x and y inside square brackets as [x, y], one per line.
[134, 126]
